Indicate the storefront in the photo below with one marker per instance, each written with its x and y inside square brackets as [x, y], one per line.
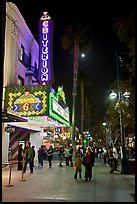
[45, 115]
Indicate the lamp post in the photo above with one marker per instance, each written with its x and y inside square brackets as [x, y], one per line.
[106, 139]
[113, 95]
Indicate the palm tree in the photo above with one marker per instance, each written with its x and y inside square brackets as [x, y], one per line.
[124, 26]
[83, 83]
[75, 39]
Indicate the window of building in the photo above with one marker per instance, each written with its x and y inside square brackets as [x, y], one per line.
[23, 57]
[20, 81]
[21, 53]
[35, 65]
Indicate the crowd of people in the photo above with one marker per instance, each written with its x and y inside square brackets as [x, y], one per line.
[82, 156]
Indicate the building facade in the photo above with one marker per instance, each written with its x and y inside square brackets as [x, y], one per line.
[27, 113]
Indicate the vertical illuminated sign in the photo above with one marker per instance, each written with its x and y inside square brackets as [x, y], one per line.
[45, 49]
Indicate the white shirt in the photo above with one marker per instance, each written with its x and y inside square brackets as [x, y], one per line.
[115, 153]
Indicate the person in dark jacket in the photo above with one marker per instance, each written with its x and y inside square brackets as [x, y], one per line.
[111, 159]
[50, 152]
[20, 157]
[88, 161]
[61, 155]
[40, 156]
[33, 148]
[28, 158]
[70, 155]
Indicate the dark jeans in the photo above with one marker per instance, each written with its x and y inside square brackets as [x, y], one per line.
[115, 164]
[76, 173]
[49, 160]
[111, 162]
[19, 164]
[40, 159]
[67, 161]
[33, 162]
[105, 158]
[88, 171]
[70, 159]
[28, 160]
[61, 158]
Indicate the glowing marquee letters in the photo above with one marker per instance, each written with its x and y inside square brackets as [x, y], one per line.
[44, 55]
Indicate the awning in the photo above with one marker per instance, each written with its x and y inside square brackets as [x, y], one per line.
[6, 117]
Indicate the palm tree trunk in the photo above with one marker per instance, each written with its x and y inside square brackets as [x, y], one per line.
[89, 128]
[74, 92]
[82, 107]
[86, 112]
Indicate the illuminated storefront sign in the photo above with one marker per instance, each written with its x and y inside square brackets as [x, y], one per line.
[45, 49]
[59, 110]
[55, 109]
[27, 100]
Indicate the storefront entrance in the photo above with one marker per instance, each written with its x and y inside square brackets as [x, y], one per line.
[19, 136]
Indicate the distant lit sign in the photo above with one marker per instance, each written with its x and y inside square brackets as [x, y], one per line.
[45, 44]
[27, 100]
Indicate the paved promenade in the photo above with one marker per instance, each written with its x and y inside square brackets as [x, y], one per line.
[57, 184]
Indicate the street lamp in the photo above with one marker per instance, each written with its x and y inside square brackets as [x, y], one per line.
[124, 160]
[121, 97]
[82, 55]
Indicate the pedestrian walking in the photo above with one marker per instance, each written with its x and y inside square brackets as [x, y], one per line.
[105, 155]
[70, 155]
[111, 159]
[115, 155]
[50, 152]
[28, 158]
[40, 156]
[33, 148]
[67, 155]
[88, 162]
[78, 166]
[61, 155]
[20, 157]
[99, 152]
[45, 152]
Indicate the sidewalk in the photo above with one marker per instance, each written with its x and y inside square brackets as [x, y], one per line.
[57, 184]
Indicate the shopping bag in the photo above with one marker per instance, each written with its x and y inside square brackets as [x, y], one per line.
[74, 167]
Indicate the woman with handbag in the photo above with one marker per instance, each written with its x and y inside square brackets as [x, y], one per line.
[78, 167]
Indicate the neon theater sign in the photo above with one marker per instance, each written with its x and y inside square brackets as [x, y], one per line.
[45, 44]
[27, 100]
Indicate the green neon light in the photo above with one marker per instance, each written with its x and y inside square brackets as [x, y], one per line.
[53, 114]
[61, 94]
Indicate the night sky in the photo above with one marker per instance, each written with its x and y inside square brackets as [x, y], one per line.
[99, 63]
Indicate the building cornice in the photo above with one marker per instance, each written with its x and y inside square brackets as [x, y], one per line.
[18, 22]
